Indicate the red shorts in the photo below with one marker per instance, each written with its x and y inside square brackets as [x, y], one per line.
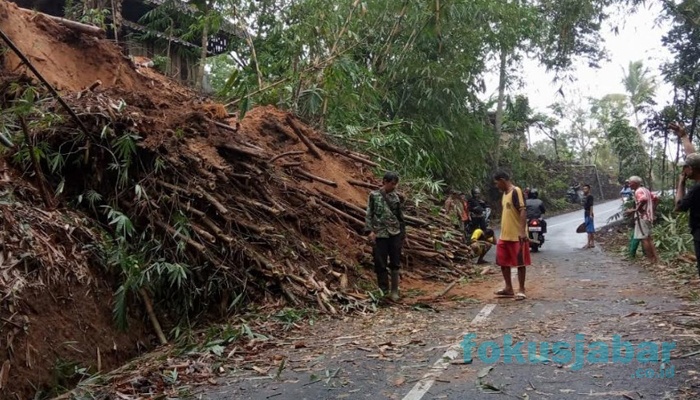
[512, 254]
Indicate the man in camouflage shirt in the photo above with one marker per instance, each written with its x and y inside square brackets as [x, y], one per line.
[385, 223]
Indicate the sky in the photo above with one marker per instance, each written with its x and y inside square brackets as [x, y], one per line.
[638, 38]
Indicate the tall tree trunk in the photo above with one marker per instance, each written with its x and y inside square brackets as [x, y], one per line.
[203, 55]
[693, 122]
[499, 107]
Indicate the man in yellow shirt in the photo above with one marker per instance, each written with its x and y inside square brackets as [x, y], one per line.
[512, 249]
[481, 242]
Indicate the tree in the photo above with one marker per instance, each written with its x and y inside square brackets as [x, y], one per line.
[641, 89]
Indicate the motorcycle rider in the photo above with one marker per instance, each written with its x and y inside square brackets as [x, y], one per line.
[626, 192]
[477, 208]
[534, 207]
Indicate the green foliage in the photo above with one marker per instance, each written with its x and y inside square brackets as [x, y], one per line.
[402, 78]
[672, 236]
[161, 63]
[289, 317]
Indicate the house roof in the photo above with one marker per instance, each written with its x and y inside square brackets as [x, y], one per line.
[184, 7]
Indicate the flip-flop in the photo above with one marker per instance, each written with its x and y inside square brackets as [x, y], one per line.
[503, 293]
[520, 296]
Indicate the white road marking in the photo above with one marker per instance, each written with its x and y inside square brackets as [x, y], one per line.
[421, 388]
[483, 314]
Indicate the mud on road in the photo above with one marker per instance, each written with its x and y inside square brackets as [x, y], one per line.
[412, 350]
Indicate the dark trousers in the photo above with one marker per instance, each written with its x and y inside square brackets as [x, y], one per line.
[387, 248]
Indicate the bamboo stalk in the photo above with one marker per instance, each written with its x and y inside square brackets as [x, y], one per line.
[343, 202]
[289, 153]
[312, 148]
[315, 178]
[346, 153]
[213, 200]
[77, 26]
[224, 126]
[257, 204]
[447, 289]
[238, 149]
[172, 231]
[152, 316]
[362, 184]
[51, 89]
[341, 213]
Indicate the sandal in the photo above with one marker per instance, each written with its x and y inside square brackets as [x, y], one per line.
[503, 293]
[520, 296]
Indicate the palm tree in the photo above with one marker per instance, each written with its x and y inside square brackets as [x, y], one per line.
[641, 88]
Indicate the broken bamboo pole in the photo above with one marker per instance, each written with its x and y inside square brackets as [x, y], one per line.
[289, 153]
[239, 149]
[328, 147]
[233, 129]
[312, 148]
[341, 213]
[152, 315]
[76, 26]
[343, 202]
[315, 178]
[43, 80]
[362, 184]
[447, 289]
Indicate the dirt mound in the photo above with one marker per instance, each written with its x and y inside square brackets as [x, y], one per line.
[166, 207]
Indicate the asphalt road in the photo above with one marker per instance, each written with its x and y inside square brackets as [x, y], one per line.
[586, 303]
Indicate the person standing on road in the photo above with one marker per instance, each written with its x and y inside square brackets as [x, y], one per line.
[588, 216]
[385, 224]
[689, 201]
[512, 249]
[643, 214]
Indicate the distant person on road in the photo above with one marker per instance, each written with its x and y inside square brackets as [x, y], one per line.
[534, 207]
[477, 210]
[512, 249]
[626, 192]
[643, 214]
[689, 201]
[385, 224]
[588, 216]
[481, 242]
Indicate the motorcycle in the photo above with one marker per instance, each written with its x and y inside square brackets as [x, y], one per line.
[573, 195]
[535, 232]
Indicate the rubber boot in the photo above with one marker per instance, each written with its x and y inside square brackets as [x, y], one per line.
[383, 280]
[395, 284]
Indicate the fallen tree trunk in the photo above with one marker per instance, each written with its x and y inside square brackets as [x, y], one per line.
[76, 26]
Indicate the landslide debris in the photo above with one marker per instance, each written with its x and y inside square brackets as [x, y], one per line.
[164, 208]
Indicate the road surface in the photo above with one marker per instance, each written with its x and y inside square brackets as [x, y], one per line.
[586, 300]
